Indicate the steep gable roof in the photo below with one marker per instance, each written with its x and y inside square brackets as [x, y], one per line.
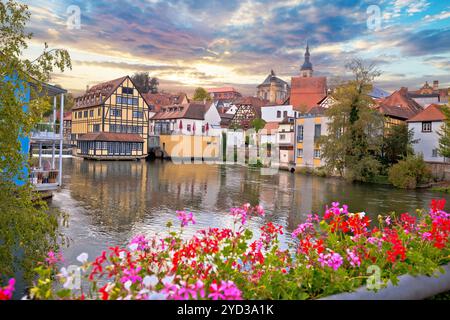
[400, 105]
[193, 110]
[98, 94]
[432, 113]
[307, 92]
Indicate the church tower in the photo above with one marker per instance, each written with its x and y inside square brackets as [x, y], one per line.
[306, 70]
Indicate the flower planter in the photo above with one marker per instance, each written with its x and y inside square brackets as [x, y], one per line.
[408, 288]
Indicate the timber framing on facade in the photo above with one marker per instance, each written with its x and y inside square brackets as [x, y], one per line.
[110, 122]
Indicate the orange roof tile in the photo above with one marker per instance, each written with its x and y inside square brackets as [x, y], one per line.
[400, 105]
[432, 113]
[306, 93]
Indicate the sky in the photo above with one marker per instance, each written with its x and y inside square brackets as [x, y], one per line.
[209, 43]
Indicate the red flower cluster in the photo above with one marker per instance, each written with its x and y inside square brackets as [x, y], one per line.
[397, 250]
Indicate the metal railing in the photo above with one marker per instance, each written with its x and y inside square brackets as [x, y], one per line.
[46, 131]
[42, 177]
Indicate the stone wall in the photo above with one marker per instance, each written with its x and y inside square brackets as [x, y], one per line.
[439, 170]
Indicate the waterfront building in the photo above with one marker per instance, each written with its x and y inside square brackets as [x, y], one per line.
[194, 118]
[307, 91]
[427, 94]
[248, 109]
[224, 94]
[277, 113]
[398, 107]
[309, 128]
[46, 174]
[110, 122]
[273, 89]
[285, 139]
[269, 134]
[426, 126]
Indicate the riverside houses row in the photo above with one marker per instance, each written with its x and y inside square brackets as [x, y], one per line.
[110, 121]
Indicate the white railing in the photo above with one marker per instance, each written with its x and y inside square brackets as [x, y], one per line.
[44, 179]
[46, 131]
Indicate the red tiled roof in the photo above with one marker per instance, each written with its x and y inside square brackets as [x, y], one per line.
[271, 126]
[98, 94]
[193, 110]
[163, 99]
[112, 137]
[432, 113]
[253, 101]
[400, 105]
[67, 116]
[306, 93]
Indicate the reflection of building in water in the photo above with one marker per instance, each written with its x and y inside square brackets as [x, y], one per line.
[113, 192]
[308, 197]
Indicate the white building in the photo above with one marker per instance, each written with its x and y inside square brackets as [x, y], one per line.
[277, 113]
[426, 126]
[187, 119]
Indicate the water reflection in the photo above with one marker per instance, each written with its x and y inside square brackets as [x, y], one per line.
[109, 202]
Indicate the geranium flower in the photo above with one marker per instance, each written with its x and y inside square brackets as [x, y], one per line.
[185, 218]
[6, 293]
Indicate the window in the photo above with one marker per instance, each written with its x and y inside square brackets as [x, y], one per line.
[85, 114]
[91, 113]
[435, 153]
[138, 114]
[99, 111]
[278, 114]
[300, 153]
[317, 131]
[285, 114]
[299, 133]
[116, 112]
[317, 153]
[426, 127]
[96, 128]
[76, 115]
[282, 137]
[188, 128]
[126, 90]
[80, 114]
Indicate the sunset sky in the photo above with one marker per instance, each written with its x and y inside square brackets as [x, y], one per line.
[190, 43]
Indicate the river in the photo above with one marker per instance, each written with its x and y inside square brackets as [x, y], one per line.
[110, 202]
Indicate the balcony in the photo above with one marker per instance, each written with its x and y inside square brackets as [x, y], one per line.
[46, 132]
[44, 180]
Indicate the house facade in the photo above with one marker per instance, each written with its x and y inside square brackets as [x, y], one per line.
[426, 126]
[277, 113]
[286, 141]
[309, 128]
[110, 122]
[248, 109]
[188, 119]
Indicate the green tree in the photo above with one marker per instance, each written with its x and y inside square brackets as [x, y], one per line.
[444, 134]
[27, 229]
[141, 81]
[397, 144]
[409, 172]
[201, 94]
[355, 130]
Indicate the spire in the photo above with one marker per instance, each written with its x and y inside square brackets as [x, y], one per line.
[307, 68]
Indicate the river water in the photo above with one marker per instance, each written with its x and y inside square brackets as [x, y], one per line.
[110, 202]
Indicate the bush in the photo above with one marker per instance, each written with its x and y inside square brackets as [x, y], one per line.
[410, 172]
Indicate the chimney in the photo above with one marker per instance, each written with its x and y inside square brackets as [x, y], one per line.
[436, 85]
[87, 88]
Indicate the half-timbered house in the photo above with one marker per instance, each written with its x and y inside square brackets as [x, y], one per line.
[110, 121]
